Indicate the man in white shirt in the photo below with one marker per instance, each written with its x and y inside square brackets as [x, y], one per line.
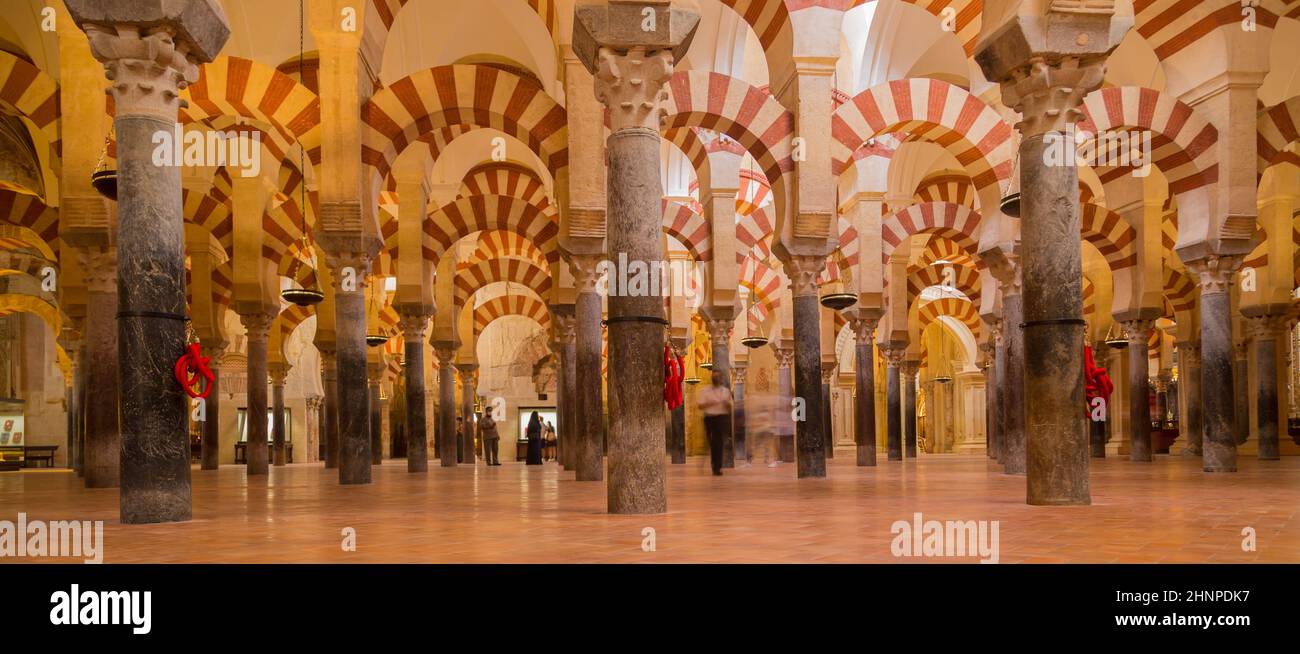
[715, 402]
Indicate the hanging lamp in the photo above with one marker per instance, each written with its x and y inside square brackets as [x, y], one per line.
[1010, 204]
[303, 297]
[104, 179]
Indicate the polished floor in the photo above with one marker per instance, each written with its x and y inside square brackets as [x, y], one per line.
[1165, 511]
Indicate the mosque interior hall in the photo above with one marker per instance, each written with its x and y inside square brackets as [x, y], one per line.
[764, 276]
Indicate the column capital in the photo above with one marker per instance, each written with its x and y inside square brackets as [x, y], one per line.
[632, 86]
[738, 373]
[585, 272]
[257, 325]
[566, 327]
[445, 354]
[909, 367]
[803, 271]
[1137, 331]
[719, 329]
[1214, 272]
[1189, 354]
[1048, 94]
[828, 371]
[894, 355]
[99, 268]
[1266, 326]
[864, 329]
[413, 323]
[784, 357]
[278, 371]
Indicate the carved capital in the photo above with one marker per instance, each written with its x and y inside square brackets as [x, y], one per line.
[146, 67]
[99, 268]
[828, 371]
[1215, 272]
[632, 86]
[738, 372]
[585, 273]
[566, 327]
[864, 329]
[719, 330]
[803, 271]
[413, 324]
[1048, 95]
[257, 325]
[1137, 331]
[894, 355]
[909, 368]
[1189, 354]
[784, 357]
[279, 372]
[445, 355]
[1266, 327]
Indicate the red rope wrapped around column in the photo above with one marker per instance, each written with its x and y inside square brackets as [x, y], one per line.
[190, 368]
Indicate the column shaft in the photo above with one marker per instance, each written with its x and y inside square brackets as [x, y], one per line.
[1013, 438]
[277, 423]
[909, 413]
[810, 433]
[353, 404]
[330, 380]
[102, 448]
[255, 416]
[894, 422]
[1219, 448]
[467, 412]
[1139, 394]
[1265, 336]
[720, 337]
[570, 432]
[210, 455]
[417, 455]
[447, 408]
[376, 423]
[864, 404]
[589, 427]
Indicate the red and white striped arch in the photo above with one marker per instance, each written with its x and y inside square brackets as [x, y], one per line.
[1190, 163]
[963, 278]
[28, 212]
[483, 96]
[1180, 291]
[387, 12]
[465, 216]
[234, 86]
[472, 276]
[939, 248]
[965, 13]
[511, 305]
[953, 188]
[963, 311]
[508, 179]
[682, 223]
[934, 111]
[501, 243]
[1277, 128]
[1111, 234]
[953, 221]
[1169, 26]
[27, 91]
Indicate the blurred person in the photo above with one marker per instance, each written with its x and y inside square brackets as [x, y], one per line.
[762, 427]
[548, 442]
[460, 439]
[534, 434]
[491, 439]
[715, 403]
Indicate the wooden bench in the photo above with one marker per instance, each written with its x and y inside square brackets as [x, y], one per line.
[43, 454]
[11, 457]
[241, 452]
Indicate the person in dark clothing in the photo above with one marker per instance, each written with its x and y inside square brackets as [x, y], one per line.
[715, 404]
[460, 439]
[488, 429]
[534, 435]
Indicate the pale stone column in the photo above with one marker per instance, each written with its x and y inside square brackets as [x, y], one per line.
[101, 452]
[828, 374]
[632, 65]
[864, 405]
[989, 367]
[151, 50]
[785, 442]
[589, 428]
[676, 445]
[566, 342]
[720, 339]
[467, 408]
[81, 414]
[908, 371]
[413, 324]
[257, 326]
[210, 449]
[999, 413]
[1219, 447]
[1240, 392]
[1264, 330]
[1012, 437]
[1189, 378]
[446, 404]
[374, 402]
[1137, 332]
[330, 382]
[893, 396]
[279, 372]
[738, 415]
[312, 421]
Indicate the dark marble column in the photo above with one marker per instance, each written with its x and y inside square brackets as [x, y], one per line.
[351, 266]
[589, 426]
[330, 382]
[720, 341]
[784, 384]
[1000, 378]
[467, 408]
[1240, 393]
[1219, 448]
[210, 448]
[864, 400]
[566, 343]
[828, 374]
[101, 452]
[81, 414]
[893, 403]
[1139, 391]
[376, 422]
[810, 433]
[417, 455]
[1264, 330]
[146, 76]
[1189, 378]
[738, 371]
[989, 350]
[1013, 389]
[447, 405]
[257, 326]
[279, 372]
[908, 373]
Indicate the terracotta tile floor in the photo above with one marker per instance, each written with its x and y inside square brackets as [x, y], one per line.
[1166, 511]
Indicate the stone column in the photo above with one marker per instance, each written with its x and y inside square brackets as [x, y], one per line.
[376, 421]
[150, 51]
[1047, 57]
[893, 396]
[908, 374]
[864, 404]
[810, 433]
[467, 407]
[566, 341]
[279, 372]
[1162, 398]
[632, 66]
[738, 415]
[990, 397]
[330, 382]
[1264, 330]
[101, 452]
[350, 263]
[447, 405]
[413, 324]
[828, 374]
[677, 428]
[1240, 393]
[720, 339]
[1189, 377]
[257, 326]
[1012, 439]
[589, 428]
[81, 414]
[1139, 392]
[210, 448]
[785, 443]
[1219, 445]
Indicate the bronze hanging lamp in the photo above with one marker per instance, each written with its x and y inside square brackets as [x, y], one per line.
[1010, 204]
[104, 179]
[303, 297]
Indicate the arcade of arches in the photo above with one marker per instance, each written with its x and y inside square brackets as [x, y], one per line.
[868, 234]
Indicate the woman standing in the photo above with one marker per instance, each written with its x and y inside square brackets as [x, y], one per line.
[534, 434]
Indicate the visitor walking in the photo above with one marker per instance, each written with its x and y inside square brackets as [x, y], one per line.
[534, 434]
[715, 404]
[491, 439]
